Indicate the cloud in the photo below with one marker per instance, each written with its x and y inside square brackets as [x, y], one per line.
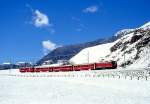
[91, 9]
[40, 19]
[48, 46]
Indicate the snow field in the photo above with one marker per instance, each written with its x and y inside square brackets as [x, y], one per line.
[84, 87]
[65, 90]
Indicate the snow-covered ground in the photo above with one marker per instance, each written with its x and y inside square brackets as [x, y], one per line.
[71, 90]
[92, 54]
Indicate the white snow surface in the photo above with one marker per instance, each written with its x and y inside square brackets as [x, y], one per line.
[71, 90]
[92, 54]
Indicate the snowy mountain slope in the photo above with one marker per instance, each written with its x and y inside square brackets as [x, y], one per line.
[68, 51]
[132, 49]
[146, 26]
[123, 32]
[89, 55]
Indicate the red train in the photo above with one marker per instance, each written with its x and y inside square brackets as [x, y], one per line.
[65, 68]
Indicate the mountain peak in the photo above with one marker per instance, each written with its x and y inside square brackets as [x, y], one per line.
[123, 32]
[146, 26]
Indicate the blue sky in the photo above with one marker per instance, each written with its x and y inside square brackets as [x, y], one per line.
[31, 28]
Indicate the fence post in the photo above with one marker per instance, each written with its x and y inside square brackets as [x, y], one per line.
[146, 78]
[130, 77]
[125, 77]
[118, 76]
[138, 77]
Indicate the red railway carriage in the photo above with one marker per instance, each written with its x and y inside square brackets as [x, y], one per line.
[67, 68]
[103, 65]
[95, 66]
[106, 65]
[27, 69]
[62, 68]
[23, 70]
[50, 69]
[43, 69]
[31, 69]
[37, 69]
[83, 67]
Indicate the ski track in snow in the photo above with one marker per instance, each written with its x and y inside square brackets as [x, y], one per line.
[61, 90]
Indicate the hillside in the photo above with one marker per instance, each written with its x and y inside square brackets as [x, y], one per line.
[132, 48]
[66, 52]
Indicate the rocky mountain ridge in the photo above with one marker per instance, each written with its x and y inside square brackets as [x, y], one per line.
[131, 48]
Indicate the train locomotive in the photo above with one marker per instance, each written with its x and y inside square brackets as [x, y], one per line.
[66, 68]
